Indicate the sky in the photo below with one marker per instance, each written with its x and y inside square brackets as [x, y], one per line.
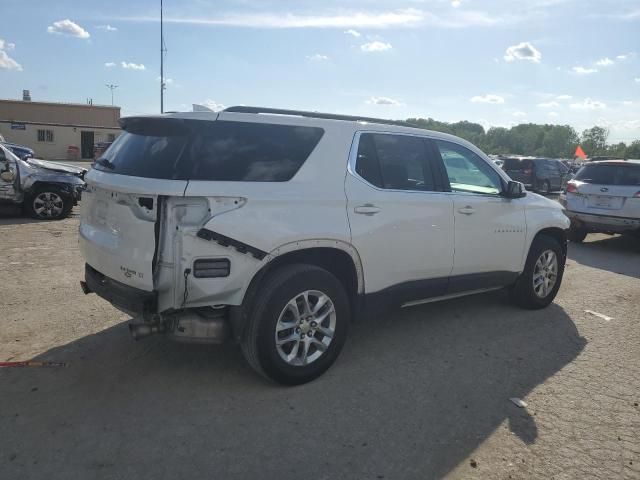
[498, 63]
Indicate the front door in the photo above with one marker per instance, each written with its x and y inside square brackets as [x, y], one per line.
[489, 229]
[400, 224]
[86, 144]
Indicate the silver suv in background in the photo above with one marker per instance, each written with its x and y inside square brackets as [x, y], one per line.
[604, 197]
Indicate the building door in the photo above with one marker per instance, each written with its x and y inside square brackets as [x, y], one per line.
[86, 144]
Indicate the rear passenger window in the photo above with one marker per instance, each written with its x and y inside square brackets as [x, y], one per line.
[394, 162]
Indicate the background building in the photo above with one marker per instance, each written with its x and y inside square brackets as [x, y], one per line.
[51, 128]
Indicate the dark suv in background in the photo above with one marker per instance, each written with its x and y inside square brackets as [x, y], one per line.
[542, 175]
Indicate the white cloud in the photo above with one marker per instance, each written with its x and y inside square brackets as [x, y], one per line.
[604, 62]
[107, 28]
[375, 46]
[637, 79]
[6, 62]
[489, 98]
[549, 104]
[317, 57]
[622, 57]
[553, 114]
[588, 104]
[407, 18]
[132, 66]
[67, 27]
[627, 102]
[353, 33]
[213, 105]
[110, 64]
[583, 70]
[523, 51]
[519, 114]
[167, 81]
[455, 3]
[4, 45]
[564, 97]
[384, 101]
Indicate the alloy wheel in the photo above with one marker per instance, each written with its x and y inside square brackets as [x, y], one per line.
[48, 205]
[545, 273]
[305, 328]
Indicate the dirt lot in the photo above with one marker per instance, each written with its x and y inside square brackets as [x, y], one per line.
[423, 393]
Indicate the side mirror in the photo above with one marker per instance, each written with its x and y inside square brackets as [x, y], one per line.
[514, 190]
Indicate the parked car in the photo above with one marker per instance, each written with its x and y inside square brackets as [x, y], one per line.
[45, 190]
[99, 148]
[279, 226]
[20, 150]
[604, 197]
[541, 175]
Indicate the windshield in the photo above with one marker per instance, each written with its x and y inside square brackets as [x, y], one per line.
[610, 174]
[517, 164]
[219, 151]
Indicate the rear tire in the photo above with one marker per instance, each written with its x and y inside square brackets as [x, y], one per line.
[577, 234]
[281, 341]
[528, 291]
[544, 188]
[48, 203]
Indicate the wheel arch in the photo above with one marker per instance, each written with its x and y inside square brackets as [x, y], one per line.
[557, 233]
[337, 257]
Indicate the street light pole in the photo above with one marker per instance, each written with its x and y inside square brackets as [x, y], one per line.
[111, 87]
[162, 50]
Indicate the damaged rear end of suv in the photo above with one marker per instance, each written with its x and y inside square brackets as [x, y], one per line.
[183, 212]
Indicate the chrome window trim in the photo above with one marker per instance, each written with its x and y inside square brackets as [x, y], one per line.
[353, 157]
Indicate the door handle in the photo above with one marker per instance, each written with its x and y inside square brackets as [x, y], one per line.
[367, 209]
[468, 210]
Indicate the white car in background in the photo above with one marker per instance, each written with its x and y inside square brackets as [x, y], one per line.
[277, 227]
[604, 197]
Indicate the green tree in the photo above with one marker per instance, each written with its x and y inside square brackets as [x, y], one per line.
[594, 141]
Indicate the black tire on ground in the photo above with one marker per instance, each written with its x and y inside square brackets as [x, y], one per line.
[276, 290]
[544, 187]
[62, 205]
[522, 292]
[576, 234]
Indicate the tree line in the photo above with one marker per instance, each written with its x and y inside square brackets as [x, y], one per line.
[553, 141]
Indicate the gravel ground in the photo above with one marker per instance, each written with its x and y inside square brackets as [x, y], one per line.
[422, 393]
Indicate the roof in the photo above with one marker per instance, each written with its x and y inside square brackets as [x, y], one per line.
[60, 104]
[614, 162]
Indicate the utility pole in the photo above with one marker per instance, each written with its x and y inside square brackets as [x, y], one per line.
[111, 87]
[162, 52]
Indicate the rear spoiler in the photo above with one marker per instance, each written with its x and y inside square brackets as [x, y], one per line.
[157, 126]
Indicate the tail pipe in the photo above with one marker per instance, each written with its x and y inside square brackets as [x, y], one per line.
[141, 330]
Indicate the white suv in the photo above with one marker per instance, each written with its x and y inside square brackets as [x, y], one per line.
[277, 227]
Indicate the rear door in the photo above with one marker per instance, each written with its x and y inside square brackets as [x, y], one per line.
[8, 190]
[401, 221]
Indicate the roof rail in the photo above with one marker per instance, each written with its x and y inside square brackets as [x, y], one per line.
[327, 116]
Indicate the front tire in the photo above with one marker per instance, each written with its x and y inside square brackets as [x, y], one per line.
[49, 203]
[577, 234]
[540, 281]
[297, 325]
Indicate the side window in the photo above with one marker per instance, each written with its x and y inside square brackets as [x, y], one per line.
[394, 162]
[467, 171]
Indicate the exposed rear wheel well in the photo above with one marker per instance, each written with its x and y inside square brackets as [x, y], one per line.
[335, 261]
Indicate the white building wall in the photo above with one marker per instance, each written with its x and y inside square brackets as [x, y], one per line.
[63, 137]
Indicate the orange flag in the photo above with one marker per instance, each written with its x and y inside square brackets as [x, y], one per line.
[580, 153]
